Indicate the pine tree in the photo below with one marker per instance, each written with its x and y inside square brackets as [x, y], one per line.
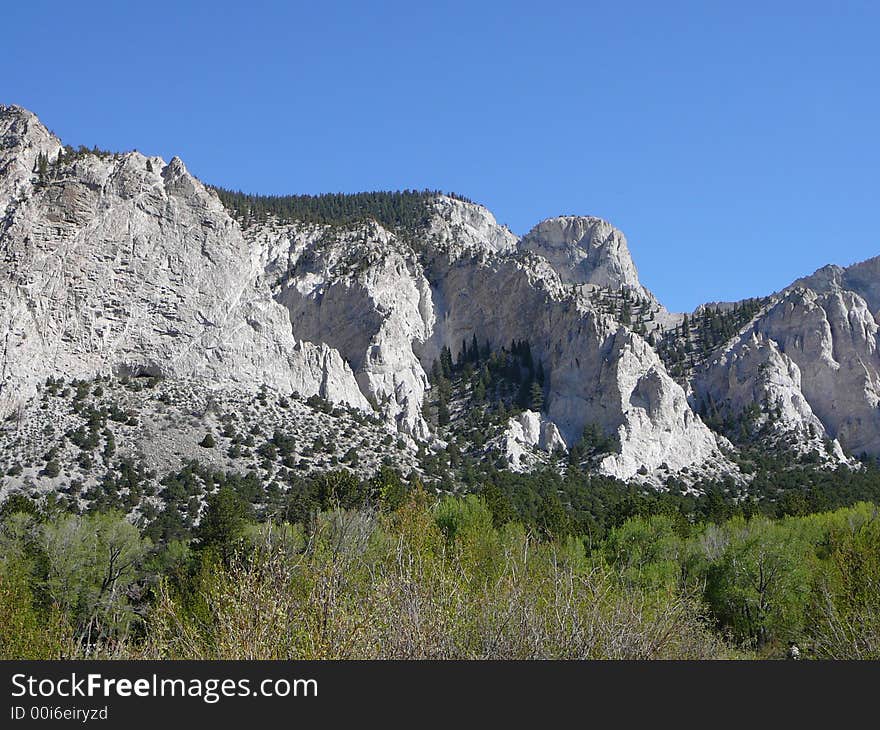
[42, 165]
[446, 362]
[226, 514]
[442, 412]
[536, 396]
[485, 375]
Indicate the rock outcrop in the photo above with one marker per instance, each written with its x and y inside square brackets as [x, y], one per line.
[525, 433]
[810, 360]
[23, 140]
[363, 293]
[123, 263]
[126, 264]
[390, 306]
[654, 424]
[585, 250]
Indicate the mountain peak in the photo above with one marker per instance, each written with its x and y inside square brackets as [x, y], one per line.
[469, 225]
[14, 111]
[24, 140]
[20, 127]
[584, 250]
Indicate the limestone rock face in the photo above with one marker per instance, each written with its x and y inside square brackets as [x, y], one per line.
[127, 264]
[585, 250]
[837, 348]
[389, 309]
[525, 433]
[22, 140]
[363, 293]
[649, 412]
[832, 337]
[537, 431]
[755, 371]
[457, 226]
[811, 357]
[862, 278]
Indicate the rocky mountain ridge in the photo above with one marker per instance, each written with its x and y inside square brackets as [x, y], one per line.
[126, 266]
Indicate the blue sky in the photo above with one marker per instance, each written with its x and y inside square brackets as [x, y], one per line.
[736, 144]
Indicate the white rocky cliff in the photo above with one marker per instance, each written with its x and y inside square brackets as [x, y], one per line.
[585, 250]
[525, 433]
[389, 309]
[127, 264]
[811, 360]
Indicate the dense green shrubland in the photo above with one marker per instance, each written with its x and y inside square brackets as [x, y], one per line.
[382, 569]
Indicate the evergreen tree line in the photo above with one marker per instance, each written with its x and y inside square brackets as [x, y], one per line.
[46, 169]
[403, 210]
